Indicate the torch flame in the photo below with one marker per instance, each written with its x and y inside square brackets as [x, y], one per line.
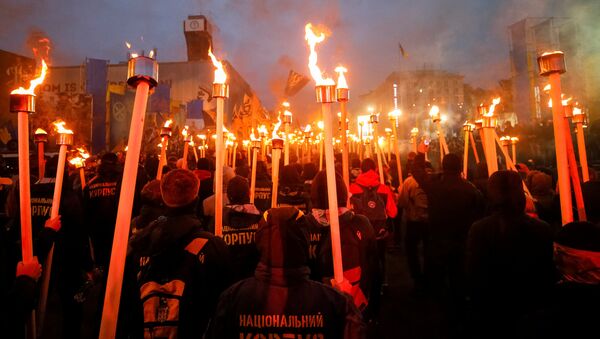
[77, 162]
[313, 40]
[128, 45]
[151, 54]
[547, 88]
[414, 131]
[262, 130]
[577, 111]
[321, 125]
[565, 102]
[341, 82]
[184, 131]
[307, 128]
[495, 102]
[33, 83]
[40, 131]
[59, 127]
[434, 112]
[253, 136]
[274, 134]
[220, 75]
[82, 151]
[168, 123]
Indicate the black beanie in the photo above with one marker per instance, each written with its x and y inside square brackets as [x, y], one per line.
[238, 191]
[452, 164]
[282, 238]
[319, 194]
[505, 192]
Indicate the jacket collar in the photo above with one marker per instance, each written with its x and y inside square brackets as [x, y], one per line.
[280, 276]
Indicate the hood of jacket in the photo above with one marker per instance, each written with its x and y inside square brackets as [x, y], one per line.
[163, 233]
[368, 179]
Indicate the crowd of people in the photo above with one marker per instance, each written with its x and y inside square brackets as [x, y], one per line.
[495, 255]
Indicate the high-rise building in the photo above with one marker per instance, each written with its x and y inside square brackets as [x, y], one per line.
[529, 38]
[415, 91]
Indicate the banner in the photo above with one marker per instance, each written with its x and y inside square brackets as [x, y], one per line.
[195, 116]
[74, 108]
[15, 71]
[96, 75]
[160, 99]
[295, 83]
[121, 106]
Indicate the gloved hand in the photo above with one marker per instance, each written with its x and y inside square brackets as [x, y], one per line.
[32, 269]
[53, 224]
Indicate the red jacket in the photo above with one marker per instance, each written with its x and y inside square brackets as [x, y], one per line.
[371, 179]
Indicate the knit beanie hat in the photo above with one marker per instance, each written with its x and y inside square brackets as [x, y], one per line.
[179, 188]
[451, 164]
[319, 193]
[151, 193]
[282, 238]
[238, 191]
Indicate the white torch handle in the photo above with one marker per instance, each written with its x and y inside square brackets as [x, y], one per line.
[219, 154]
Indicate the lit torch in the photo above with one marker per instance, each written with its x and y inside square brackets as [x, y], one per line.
[187, 138]
[40, 137]
[202, 146]
[64, 139]
[394, 117]
[220, 92]
[165, 134]
[552, 65]
[256, 144]
[374, 120]
[579, 119]
[468, 128]
[307, 134]
[142, 74]
[287, 121]
[414, 136]
[325, 92]
[434, 113]
[343, 95]
[276, 147]
[489, 137]
[22, 102]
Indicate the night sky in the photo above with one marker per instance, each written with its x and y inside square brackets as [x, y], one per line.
[263, 39]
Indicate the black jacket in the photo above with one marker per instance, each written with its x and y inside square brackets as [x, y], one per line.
[101, 201]
[284, 303]
[359, 253]
[174, 248]
[240, 223]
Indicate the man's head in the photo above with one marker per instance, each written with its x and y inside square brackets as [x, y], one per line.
[451, 164]
[577, 253]
[282, 238]
[505, 192]
[319, 191]
[179, 188]
[238, 191]
[367, 165]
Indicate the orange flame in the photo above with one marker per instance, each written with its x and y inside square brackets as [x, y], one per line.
[83, 152]
[168, 123]
[151, 54]
[434, 112]
[495, 102]
[547, 88]
[274, 134]
[128, 45]
[307, 128]
[565, 102]
[184, 131]
[341, 82]
[253, 136]
[59, 127]
[220, 75]
[313, 40]
[40, 131]
[577, 111]
[262, 130]
[77, 162]
[33, 83]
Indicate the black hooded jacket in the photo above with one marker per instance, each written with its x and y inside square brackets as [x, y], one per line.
[280, 300]
[173, 255]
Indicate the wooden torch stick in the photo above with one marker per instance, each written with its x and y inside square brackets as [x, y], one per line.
[142, 74]
[255, 148]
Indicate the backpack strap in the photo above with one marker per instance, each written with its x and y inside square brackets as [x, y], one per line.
[196, 245]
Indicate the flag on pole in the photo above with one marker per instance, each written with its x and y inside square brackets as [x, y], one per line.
[295, 83]
[402, 52]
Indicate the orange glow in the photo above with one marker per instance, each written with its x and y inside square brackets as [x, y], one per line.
[128, 45]
[40, 131]
[184, 131]
[434, 112]
[552, 52]
[262, 131]
[59, 127]
[577, 111]
[307, 128]
[274, 134]
[168, 123]
[341, 82]
[495, 102]
[547, 88]
[33, 83]
[220, 75]
[83, 152]
[313, 39]
[151, 54]
[77, 162]
[565, 102]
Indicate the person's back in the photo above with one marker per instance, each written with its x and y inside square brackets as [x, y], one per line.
[240, 222]
[280, 300]
[175, 271]
[509, 258]
[101, 200]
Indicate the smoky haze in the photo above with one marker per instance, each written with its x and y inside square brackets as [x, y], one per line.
[264, 39]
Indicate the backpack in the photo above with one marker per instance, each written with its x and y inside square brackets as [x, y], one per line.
[162, 286]
[370, 204]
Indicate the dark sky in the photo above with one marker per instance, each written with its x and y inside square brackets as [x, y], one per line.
[263, 39]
